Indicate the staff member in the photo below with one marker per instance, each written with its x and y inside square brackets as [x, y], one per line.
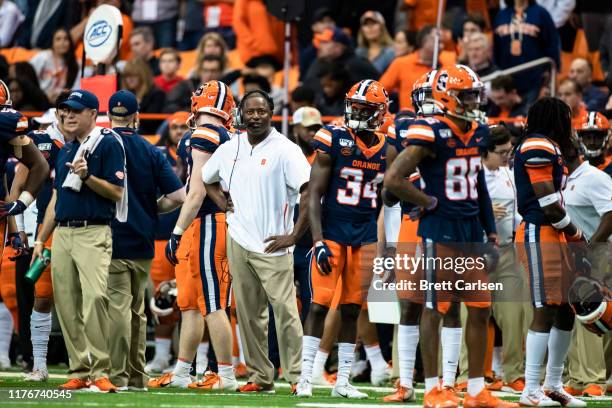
[264, 172]
[82, 242]
[134, 242]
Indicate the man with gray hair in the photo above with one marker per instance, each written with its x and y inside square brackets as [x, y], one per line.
[142, 44]
[594, 98]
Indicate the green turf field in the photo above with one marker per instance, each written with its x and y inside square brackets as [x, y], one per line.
[172, 398]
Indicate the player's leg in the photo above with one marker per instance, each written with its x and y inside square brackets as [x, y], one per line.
[240, 369]
[381, 372]
[330, 335]
[450, 337]
[7, 299]
[40, 327]
[202, 352]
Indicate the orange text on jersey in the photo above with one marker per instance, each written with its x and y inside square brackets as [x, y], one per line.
[365, 165]
[470, 151]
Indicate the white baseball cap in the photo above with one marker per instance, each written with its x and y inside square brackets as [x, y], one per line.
[307, 116]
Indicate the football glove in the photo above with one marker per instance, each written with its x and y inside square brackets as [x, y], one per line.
[418, 212]
[322, 253]
[15, 242]
[12, 208]
[491, 253]
[172, 247]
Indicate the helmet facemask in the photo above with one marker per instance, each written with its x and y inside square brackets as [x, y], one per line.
[423, 102]
[593, 142]
[363, 115]
[468, 103]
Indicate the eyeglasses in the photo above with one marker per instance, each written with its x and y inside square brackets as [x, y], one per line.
[503, 152]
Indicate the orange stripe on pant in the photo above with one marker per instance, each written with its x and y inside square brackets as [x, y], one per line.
[351, 264]
[208, 263]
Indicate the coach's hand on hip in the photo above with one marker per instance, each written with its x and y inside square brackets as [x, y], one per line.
[278, 242]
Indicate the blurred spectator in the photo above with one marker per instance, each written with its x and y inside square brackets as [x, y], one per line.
[335, 46]
[23, 70]
[581, 71]
[257, 32]
[570, 92]
[267, 67]
[322, 18]
[10, 20]
[43, 17]
[218, 17]
[251, 82]
[169, 64]
[403, 71]
[26, 96]
[300, 97]
[306, 123]
[420, 13]
[559, 10]
[335, 82]
[524, 31]
[596, 17]
[506, 102]
[404, 43]
[138, 79]
[473, 24]
[191, 28]
[57, 68]
[174, 130]
[478, 54]
[160, 16]
[211, 69]
[374, 42]
[605, 49]
[142, 43]
[4, 68]
[210, 44]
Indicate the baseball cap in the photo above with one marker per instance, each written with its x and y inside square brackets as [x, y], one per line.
[372, 15]
[307, 116]
[178, 118]
[332, 34]
[122, 103]
[81, 99]
[47, 118]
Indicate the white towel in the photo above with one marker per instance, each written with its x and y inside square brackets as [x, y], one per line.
[88, 146]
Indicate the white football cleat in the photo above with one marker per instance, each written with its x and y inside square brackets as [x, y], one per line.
[303, 389]
[39, 375]
[561, 396]
[157, 365]
[347, 391]
[358, 368]
[536, 398]
[380, 377]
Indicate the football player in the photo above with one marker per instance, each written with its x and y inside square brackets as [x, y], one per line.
[542, 237]
[454, 207]
[204, 284]
[594, 133]
[343, 211]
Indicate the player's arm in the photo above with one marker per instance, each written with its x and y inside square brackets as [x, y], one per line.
[197, 191]
[396, 177]
[319, 180]
[21, 175]
[47, 227]
[487, 218]
[604, 230]
[554, 212]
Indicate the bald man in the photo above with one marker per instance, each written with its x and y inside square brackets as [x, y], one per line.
[581, 71]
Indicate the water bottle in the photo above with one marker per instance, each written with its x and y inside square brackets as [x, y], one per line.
[38, 266]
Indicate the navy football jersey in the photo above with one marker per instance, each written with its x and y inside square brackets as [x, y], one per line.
[537, 159]
[351, 203]
[12, 124]
[49, 142]
[451, 175]
[166, 222]
[206, 138]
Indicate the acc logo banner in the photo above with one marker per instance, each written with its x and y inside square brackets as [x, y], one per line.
[98, 33]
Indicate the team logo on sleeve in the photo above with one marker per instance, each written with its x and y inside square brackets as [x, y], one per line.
[346, 146]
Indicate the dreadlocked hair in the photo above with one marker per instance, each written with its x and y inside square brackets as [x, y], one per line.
[551, 117]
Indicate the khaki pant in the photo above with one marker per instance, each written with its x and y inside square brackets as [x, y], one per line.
[512, 312]
[79, 269]
[586, 363]
[127, 281]
[257, 280]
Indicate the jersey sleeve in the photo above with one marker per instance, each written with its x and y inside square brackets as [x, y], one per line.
[13, 127]
[206, 139]
[539, 157]
[421, 134]
[322, 141]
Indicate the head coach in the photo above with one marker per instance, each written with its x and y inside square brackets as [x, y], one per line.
[148, 172]
[89, 182]
[264, 173]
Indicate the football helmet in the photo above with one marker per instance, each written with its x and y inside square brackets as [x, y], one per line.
[215, 98]
[366, 104]
[457, 91]
[422, 99]
[163, 303]
[593, 133]
[5, 95]
[591, 300]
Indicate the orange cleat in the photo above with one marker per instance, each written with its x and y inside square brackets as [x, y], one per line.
[331, 378]
[293, 388]
[515, 387]
[436, 398]
[253, 387]
[451, 394]
[593, 390]
[169, 380]
[102, 385]
[74, 384]
[241, 370]
[485, 400]
[401, 394]
[495, 385]
[213, 381]
[461, 387]
[575, 392]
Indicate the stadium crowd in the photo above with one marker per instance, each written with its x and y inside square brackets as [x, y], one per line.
[213, 283]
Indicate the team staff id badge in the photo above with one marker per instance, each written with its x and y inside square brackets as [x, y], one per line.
[149, 9]
[515, 47]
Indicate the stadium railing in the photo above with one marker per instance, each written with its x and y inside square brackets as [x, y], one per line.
[525, 67]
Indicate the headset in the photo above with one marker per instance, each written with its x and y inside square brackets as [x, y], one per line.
[238, 118]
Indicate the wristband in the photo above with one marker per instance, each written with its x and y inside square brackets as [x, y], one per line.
[178, 230]
[38, 243]
[564, 222]
[548, 200]
[26, 198]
